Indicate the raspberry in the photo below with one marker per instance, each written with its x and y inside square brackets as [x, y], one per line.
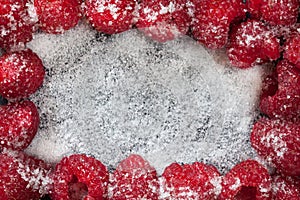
[292, 50]
[57, 16]
[285, 188]
[252, 43]
[212, 20]
[16, 26]
[246, 181]
[281, 93]
[21, 74]
[163, 20]
[283, 12]
[112, 16]
[23, 177]
[134, 178]
[191, 181]
[18, 124]
[278, 142]
[80, 177]
[253, 7]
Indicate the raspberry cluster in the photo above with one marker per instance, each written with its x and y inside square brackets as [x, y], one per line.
[252, 32]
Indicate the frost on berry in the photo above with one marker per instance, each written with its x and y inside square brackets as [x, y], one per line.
[212, 20]
[23, 177]
[246, 180]
[21, 74]
[134, 178]
[292, 49]
[278, 143]
[252, 43]
[16, 25]
[80, 177]
[163, 20]
[281, 93]
[284, 12]
[285, 187]
[190, 181]
[57, 16]
[18, 124]
[110, 17]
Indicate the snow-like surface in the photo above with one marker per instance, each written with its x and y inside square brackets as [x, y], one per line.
[113, 96]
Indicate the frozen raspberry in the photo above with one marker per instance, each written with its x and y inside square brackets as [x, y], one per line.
[18, 124]
[252, 43]
[285, 188]
[292, 50]
[246, 181]
[281, 93]
[16, 26]
[283, 12]
[253, 8]
[112, 16]
[21, 74]
[134, 178]
[57, 16]
[212, 18]
[278, 142]
[163, 20]
[23, 177]
[80, 177]
[191, 181]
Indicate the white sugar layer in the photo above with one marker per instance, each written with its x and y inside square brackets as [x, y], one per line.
[113, 96]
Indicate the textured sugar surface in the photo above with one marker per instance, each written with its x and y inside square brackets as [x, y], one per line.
[113, 96]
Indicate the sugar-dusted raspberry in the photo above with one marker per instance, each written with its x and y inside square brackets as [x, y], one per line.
[278, 142]
[252, 43]
[292, 49]
[80, 177]
[212, 18]
[281, 93]
[163, 20]
[112, 16]
[191, 181]
[57, 16]
[21, 74]
[285, 188]
[19, 123]
[283, 12]
[23, 177]
[16, 26]
[253, 8]
[246, 181]
[134, 178]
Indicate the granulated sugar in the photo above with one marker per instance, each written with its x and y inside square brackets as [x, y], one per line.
[111, 96]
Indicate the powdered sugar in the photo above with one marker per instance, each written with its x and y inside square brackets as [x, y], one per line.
[113, 96]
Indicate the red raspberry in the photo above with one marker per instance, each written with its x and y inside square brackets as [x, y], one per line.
[278, 142]
[194, 181]
[21, 74]
[18, 124]
[112, 16]
[283, 12]
[281, 93]
[163, 20]
[285, 188]
[134, 178]
[251, 43]
[212, 20]
[23, 177]
[16, 26]
[253, 7]
[80, 177]
[292, 49]
[246, 181]
[57, 16]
